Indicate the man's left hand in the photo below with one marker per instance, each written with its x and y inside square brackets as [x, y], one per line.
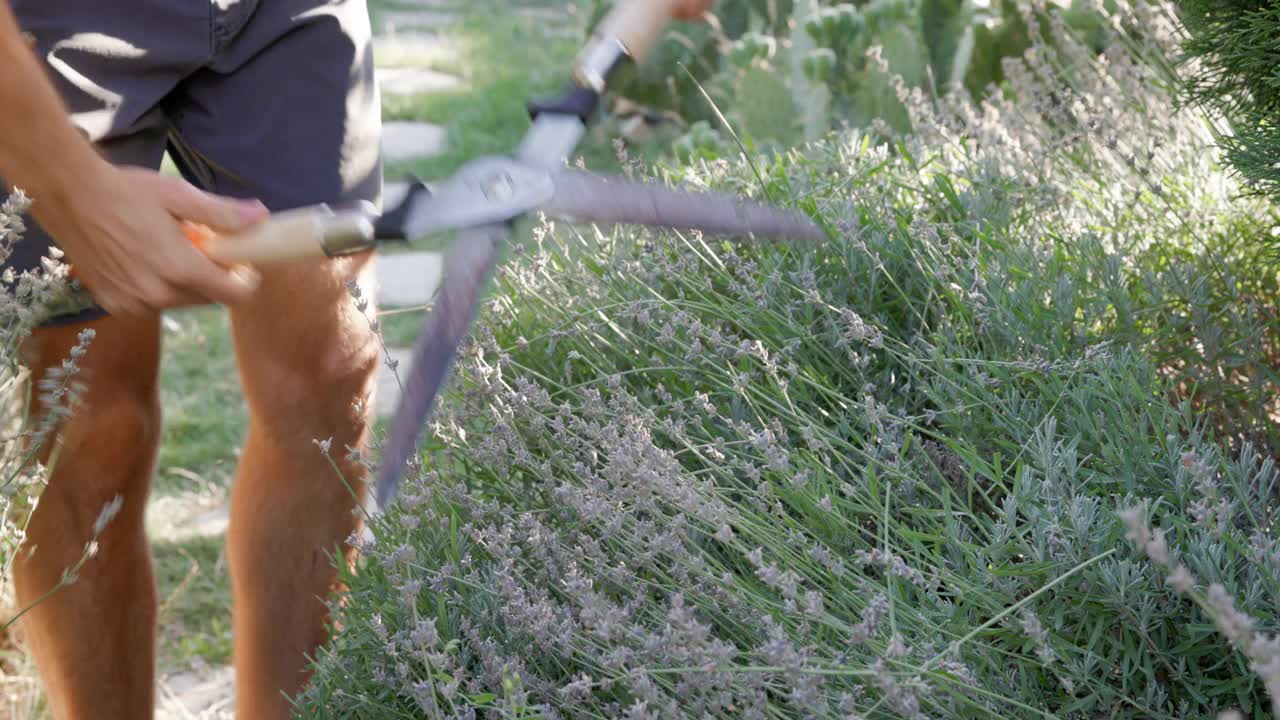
[692, 9]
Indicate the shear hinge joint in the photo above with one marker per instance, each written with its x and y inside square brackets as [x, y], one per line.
[391, 224]
[576, 100]
[592, 70]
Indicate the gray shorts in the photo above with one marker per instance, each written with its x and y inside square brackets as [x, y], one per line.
[269, 99]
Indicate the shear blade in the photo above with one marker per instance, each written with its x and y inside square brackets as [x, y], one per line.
[616, 200]
[575, 194]
[466, 270]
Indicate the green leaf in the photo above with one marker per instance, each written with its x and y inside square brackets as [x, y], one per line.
[767, 109]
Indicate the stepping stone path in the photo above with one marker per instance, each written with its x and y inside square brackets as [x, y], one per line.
[414, 48]
[409, 39]
[188, 515]
[200, 694]
[407, 279]
[410, 81]
[403, 140]
[393, 20]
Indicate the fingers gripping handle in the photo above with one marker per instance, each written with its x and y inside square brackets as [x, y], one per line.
[638, 24]
[306, 232]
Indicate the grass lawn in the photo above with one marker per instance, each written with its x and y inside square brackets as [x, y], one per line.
[204, 414]
[194, 596]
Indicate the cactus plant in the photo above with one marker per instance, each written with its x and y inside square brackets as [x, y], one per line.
[765, 58]
[769, 113]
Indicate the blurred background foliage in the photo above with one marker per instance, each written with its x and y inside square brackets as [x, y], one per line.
[779, 72]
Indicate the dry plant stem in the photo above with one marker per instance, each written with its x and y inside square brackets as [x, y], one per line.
[69, 577]
[54, 409]
[162, 613]
[356, 497]
[362, 305]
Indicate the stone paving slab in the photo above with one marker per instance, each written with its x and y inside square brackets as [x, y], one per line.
[413, 47]
[551, 16]
[187, 515]
[199, 694]
[393, 81]
[554, 22]
[402, 140]
[423, 19]
[213, 522]
[438, 6]
[408, 278]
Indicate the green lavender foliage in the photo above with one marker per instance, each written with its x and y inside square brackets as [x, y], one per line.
[884, 477]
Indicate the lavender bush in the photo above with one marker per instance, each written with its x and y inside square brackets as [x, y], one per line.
[887, 477]
[26, 299]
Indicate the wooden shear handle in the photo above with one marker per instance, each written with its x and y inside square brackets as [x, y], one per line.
[307, 232]
[638, 24]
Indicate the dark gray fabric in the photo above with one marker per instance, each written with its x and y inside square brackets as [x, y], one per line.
[271, 99]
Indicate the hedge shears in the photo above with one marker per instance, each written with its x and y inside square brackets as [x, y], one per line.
[483, 200]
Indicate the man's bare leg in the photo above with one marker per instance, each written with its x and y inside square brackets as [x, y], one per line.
[94, 640]
[306, 356]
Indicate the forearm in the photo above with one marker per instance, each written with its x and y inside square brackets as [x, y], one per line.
[40, 151]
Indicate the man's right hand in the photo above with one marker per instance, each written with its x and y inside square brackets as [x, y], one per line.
[119, 227]
[121, 232]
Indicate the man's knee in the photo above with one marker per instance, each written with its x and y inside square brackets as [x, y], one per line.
[99, 477]
[95, 393]
[322, 391]
[307, 357]
[108, 447]
[122, 417]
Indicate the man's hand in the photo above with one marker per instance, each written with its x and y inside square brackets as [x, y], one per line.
[119, 227]
[121, 232]
[692, 9]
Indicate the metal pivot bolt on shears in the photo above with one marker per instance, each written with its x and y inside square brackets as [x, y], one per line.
[486, 196]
